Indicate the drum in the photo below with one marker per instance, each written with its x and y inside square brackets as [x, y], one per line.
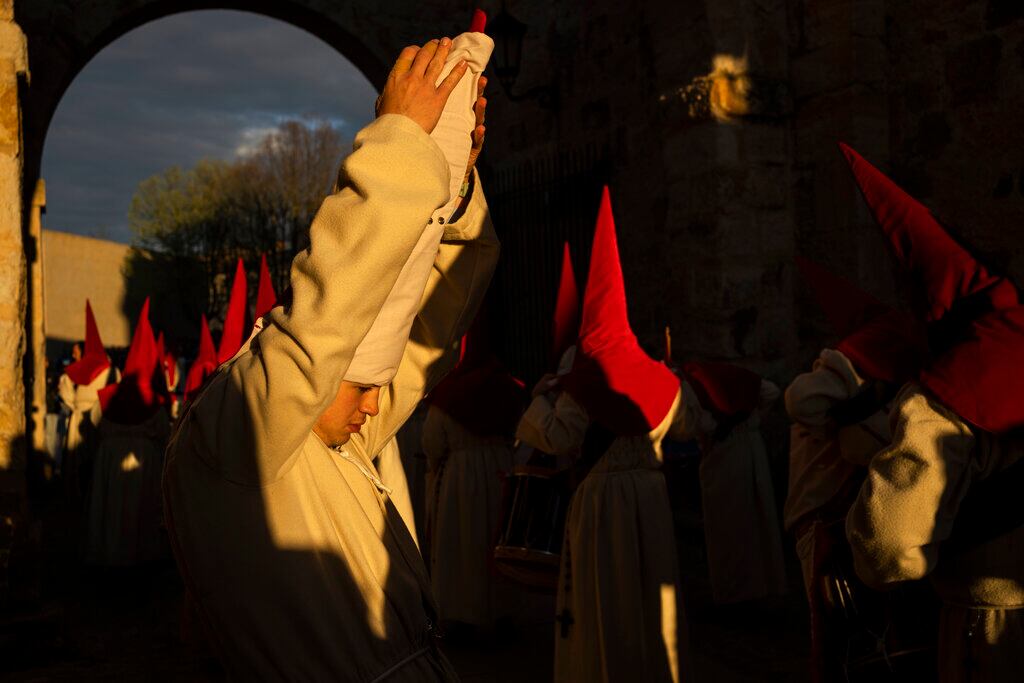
[531, 526]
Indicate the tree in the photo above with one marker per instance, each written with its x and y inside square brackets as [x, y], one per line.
[199, 221]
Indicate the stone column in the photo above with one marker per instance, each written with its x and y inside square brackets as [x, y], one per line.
[38, 335]
[13, 68]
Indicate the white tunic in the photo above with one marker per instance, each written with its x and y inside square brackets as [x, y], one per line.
[300, 564]
[464, 503]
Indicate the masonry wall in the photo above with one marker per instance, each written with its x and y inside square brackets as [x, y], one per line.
[76, 268]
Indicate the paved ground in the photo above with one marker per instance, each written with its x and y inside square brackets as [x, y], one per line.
[97, 626]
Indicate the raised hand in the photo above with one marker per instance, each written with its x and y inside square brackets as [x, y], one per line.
[480, 109]
[410, 89]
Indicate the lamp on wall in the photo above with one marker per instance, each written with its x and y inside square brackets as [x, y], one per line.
[508, 33]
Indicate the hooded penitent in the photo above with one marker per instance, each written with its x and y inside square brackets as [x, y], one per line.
[980, 369]
[205, 363]
[94, 359]
[377, 357]
[565, 323]
[882, 342]
[945, 270]
[141, 390]
[234, 322]
[622, 388]
[727, 391]
[266, 298]
[480, 393]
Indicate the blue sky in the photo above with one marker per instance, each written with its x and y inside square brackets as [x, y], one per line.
[193, 85]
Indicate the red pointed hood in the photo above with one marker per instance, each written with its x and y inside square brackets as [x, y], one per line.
[479, 22]
[94, 359]
[205, 363]
[980, 378]
[234, 322]
[565, 325]
[266, 299]
[138, 395]
[946, 270]
[725, 390]
[882, 342]
[622, 388]
[480, 393]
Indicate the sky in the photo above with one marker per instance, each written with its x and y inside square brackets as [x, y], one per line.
[190, 86]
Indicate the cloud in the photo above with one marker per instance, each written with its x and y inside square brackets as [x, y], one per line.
[144, 104]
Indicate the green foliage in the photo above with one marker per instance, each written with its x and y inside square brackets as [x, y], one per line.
[195, 223]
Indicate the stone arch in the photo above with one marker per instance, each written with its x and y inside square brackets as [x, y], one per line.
[44, 44]
[61, 43]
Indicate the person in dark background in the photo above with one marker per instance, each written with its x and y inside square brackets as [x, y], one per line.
[955, 428]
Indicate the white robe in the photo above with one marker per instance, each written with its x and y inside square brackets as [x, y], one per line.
[906, 509]
[299, 562]
[466, 479]
[741, 524]
[825, 460]
[124, 504]
[620, 605]
[82, 434]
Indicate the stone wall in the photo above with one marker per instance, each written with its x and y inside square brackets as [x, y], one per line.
[721, 117]
[76, 268]
[13, 71]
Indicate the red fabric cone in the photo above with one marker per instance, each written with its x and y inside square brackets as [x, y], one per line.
[622, 388]
[234, 322]
[565, 325]
[205, 363]
[94, 359]
[980, 379]
[882, 342]
[725, 390]
[479, 22]
[138, 395]
[944, 268]
[266, 299]
[480, 393]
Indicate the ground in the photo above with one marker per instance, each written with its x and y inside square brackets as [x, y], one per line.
[98, 626]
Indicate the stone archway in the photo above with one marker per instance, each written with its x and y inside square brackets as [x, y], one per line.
[44, 44]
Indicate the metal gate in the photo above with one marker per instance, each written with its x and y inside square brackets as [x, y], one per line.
[536, 206]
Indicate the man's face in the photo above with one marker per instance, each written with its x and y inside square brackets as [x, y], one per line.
[347, 413]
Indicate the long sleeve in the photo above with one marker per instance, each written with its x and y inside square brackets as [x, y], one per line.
[66, 391]
[908, 503]
[556, 427]
[455, 289]
[810, 396]
[262, 405]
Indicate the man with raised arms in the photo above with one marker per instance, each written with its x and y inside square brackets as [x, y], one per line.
[299, 562]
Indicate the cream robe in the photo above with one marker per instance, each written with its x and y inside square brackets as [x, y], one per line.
[464, 507]
[81, 437]
[554, 424]
[741, 524]
[824, 462]
[906, 509]
[392, 475]
[301, 566]
[619, 604]
[124, 504]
